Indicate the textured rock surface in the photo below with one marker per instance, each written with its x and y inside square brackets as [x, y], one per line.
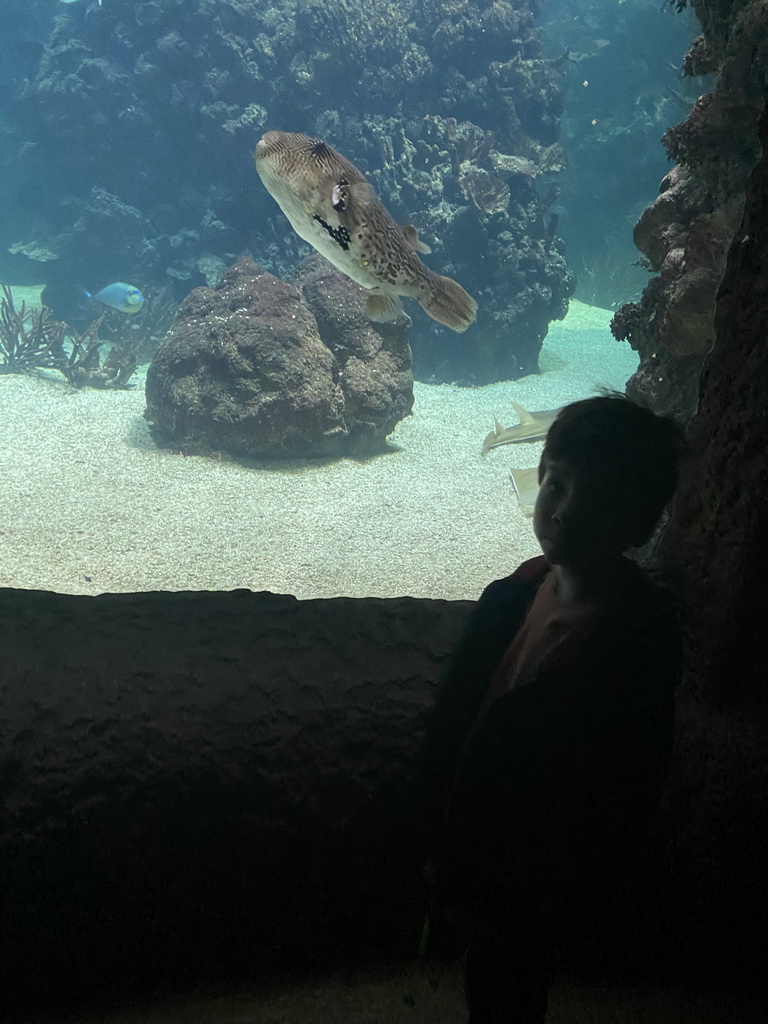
[717, 541]
[198, 785]
[247, 369]
[716, 549]
[686, 233]
[201, 788]
[373, 360]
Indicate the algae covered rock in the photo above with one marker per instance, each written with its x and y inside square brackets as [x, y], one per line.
[247, 369]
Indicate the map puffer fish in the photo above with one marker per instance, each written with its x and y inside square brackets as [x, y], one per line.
[331, 205]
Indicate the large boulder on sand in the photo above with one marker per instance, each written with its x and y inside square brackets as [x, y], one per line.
[261, 367]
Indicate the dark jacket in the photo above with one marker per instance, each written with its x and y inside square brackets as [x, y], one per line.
[561, 779]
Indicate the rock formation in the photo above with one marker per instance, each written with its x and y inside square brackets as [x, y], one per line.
[685, 235]
[261, 367]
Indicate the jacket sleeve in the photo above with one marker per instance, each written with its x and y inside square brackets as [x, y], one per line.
[489, 630]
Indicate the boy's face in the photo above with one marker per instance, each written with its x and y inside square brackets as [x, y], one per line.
[579, 517]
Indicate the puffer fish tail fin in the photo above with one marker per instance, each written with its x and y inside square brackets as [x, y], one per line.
[381, 309]
[449, 304]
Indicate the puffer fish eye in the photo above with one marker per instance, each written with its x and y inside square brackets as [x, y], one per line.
[339, 195]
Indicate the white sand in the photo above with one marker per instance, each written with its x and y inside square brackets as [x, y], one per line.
[89, 504]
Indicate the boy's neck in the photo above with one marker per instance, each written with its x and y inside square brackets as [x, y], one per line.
[592, 583]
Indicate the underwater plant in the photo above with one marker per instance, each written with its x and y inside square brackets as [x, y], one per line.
[81, 363]
[137, 337]
[29, 339]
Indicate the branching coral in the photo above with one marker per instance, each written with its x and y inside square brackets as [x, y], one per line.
[30, 340]
[28, 337]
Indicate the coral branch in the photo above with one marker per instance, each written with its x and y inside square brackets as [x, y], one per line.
[28, 337]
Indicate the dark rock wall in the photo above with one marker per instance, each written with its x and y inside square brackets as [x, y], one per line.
[717, 542]
[202, 787]
[716, 550]
[199, 789]
[685, 235]
[135, 141]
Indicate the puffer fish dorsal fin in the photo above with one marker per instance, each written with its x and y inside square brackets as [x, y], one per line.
[523, 415]
[382, 309]
[412, 238]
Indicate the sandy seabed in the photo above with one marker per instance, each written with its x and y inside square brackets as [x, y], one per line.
[89, 503]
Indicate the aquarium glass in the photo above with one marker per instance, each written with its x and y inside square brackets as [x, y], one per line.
[195, 399]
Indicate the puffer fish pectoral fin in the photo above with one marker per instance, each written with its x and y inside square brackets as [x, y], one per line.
[449, 304]
[412, 238]
[382, 308]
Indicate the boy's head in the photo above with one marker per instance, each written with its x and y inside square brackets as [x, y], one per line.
[608, 469]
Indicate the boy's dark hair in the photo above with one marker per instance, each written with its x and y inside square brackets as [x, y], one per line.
[615, 439]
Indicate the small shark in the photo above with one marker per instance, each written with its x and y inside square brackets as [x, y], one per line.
[331, 205]
[533, 426]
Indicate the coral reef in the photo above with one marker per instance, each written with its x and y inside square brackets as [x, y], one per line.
[136, 131]
[686, 234]
[262, 367]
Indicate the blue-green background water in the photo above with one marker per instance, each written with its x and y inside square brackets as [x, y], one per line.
[126, 137]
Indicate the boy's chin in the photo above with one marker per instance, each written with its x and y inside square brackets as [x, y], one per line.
[552, 551]
[566, 557]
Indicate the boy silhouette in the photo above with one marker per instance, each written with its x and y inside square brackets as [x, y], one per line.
[552, 731]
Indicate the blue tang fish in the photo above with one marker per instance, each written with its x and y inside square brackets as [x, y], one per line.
[120, 296]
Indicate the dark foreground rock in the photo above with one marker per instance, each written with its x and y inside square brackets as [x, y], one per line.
[201, 789]
[261, 367]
